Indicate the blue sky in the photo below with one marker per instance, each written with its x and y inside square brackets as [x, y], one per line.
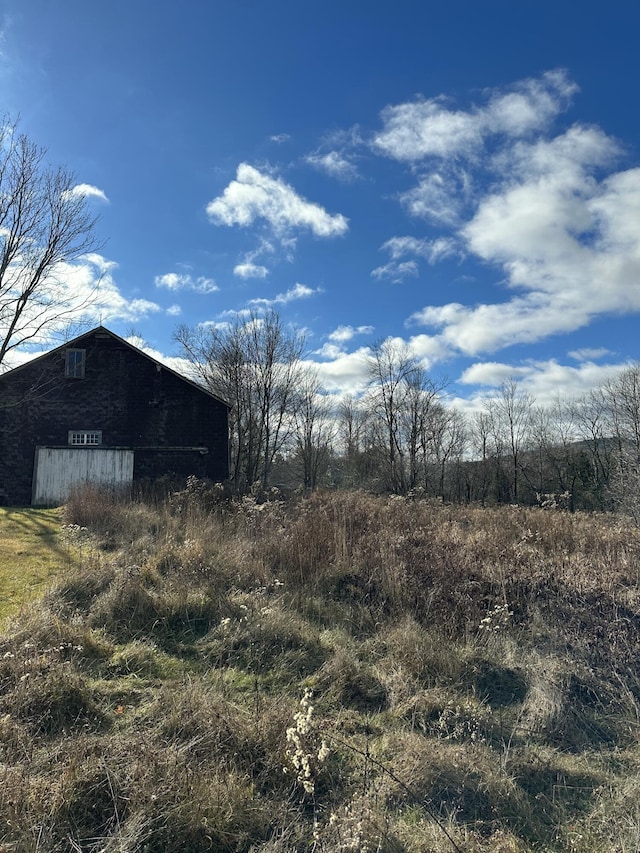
[462, 176]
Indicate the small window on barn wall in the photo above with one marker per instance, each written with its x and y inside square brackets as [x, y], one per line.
[85, 437]
[74, 364]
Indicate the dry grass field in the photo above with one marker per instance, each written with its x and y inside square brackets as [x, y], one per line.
[339, 672]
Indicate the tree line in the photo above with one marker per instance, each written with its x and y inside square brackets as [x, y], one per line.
[401, 436]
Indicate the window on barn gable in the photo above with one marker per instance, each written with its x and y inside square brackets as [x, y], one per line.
[85, 437]
[74, 363]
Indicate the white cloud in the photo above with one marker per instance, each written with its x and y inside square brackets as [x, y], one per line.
[228, 316]
[329, 350]
[172, 281]
[345, 333]
[439, 196]
[334, 347]
[428, 349]
[532, 104]
[102, 265]
[78, 293]
[589, 353]
[299, 291]
[335, 164]
[89, 191]
[112, 305]
[255, 196]
[399, 247]
[279, 138]
[548, 200]
[247, 269]
[344, 373]
[337, 154]
[566, 240]
[569, 154]
[174, 311]
[347, 372]
[183, 281]
[85, 291]
[428, 128]
[422, 128]
[494, 373]
[432, 250]
[540, 379]
[396, 271]
[451, 151]
[487, 328]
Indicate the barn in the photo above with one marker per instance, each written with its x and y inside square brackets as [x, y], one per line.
[101, 410]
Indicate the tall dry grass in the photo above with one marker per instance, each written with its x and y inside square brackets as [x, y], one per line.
[335, 672]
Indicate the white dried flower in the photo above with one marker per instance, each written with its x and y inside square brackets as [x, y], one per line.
[323, 752]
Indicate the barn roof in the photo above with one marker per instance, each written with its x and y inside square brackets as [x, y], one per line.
[102, 330]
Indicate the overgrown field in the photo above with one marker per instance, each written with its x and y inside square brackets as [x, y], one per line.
[334, 673]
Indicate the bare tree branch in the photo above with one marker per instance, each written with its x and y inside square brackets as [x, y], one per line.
[254, 364]
[44, 225]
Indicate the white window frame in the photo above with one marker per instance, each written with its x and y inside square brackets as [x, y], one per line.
[85, 437]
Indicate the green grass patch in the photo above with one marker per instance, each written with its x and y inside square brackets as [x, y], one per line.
[32, 553]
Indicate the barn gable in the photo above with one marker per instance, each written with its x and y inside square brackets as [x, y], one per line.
[99, 393]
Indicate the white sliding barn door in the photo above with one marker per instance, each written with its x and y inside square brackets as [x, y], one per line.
[57, 469]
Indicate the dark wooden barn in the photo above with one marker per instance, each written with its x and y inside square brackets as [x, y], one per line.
[99, 409]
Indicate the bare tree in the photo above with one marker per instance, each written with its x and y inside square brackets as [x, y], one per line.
[419, 412]
[253, 364]
[556, 463]
[622, 397]
[315, 428]
[391, 370]
[536, 463]
[593, 427]
[480, 435]
[510, 413]
[404, 404]
[44, 224]
[448, 438]
[357, 466]
[623, 404]
[351, 425]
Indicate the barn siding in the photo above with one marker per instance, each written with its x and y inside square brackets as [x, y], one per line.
[135, 401]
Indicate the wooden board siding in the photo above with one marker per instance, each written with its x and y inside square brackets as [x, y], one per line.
[175, 427]
[58, 469]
